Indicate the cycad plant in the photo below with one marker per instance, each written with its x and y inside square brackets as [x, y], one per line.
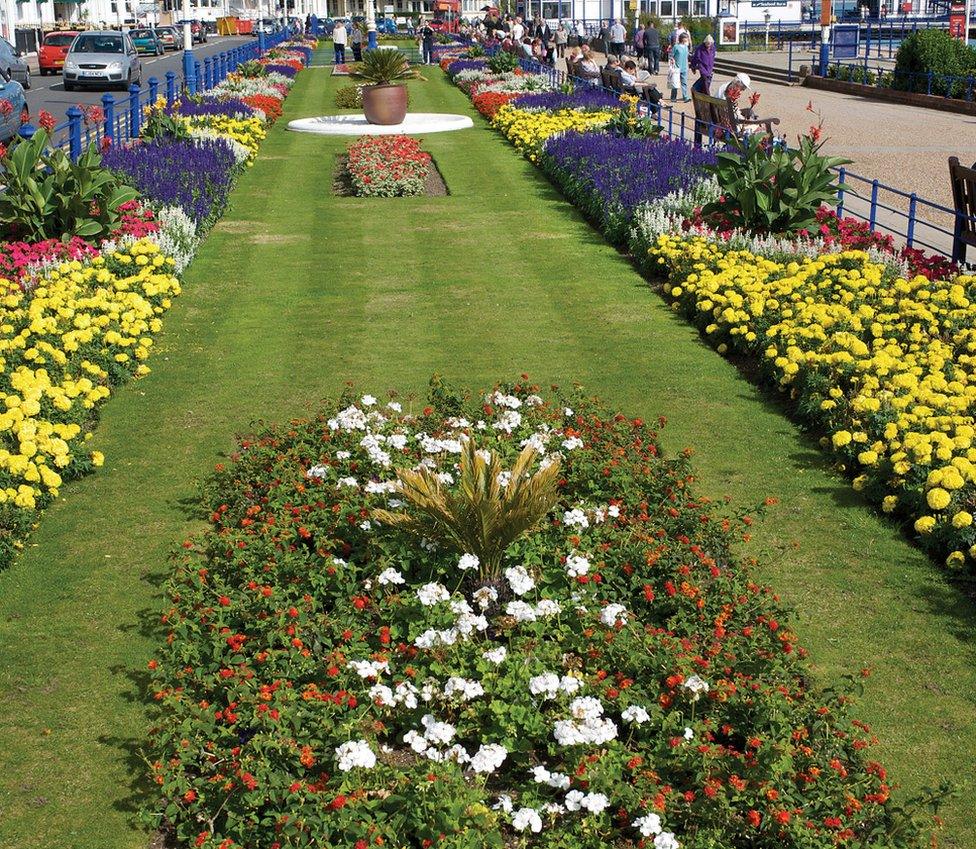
[383, 67]
[478, 515]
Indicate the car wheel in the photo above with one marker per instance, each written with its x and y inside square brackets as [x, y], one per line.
[69, 87]
[27, 79]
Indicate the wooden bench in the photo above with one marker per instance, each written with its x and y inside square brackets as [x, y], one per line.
[715, 118]
[963, 181]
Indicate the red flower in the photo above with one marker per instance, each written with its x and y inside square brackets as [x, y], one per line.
[24, 117]
[6, 107]
[106, 144]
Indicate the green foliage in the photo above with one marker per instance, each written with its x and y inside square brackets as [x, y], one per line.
[158, 124]
[348, 97]
[48, 196]
[474, 51]
[934, 51]
[502, 63]
[382, 67]
[699, 27]
[625, 123]
[773, 190]
[251, 69]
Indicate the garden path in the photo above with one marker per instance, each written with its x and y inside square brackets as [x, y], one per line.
[298, 291]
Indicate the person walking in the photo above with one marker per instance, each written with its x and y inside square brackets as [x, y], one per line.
[603, 39]
[426, 35]
[356, 40]
[618, 37]
[339, 38]
[703, 61]
[562, 39]
[580, 33]
[518, 31]
[652, 48]
[678, 69]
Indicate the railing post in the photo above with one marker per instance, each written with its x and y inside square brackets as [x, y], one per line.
[170, 88]
[198, 77]
[840, 193]
[912, 206]
[790, 74]
[189, 71]
[74, 132]
[208, 82]
[108, 107]
[874, 205]
[153, 90]
[135, 112]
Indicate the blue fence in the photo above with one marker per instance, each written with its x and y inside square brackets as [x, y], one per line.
[920, 222]
[122, 117]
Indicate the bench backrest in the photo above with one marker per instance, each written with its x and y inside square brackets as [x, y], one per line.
[963, 194]
[716, 112]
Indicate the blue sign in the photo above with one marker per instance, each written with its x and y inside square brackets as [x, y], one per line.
[845, 39]
[762, 4]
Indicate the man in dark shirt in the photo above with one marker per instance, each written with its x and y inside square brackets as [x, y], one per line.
[426, 35]
[652, 48]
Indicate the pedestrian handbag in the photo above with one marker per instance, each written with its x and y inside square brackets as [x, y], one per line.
[674, 76]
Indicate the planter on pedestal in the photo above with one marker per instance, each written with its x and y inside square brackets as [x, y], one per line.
[385, 104]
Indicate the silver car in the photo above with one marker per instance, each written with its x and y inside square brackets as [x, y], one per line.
[102, 59]
[13, 65]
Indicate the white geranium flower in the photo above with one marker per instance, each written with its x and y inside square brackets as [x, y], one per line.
[696, 686]
[395, 406]
[666, 840]
[521, 611]
[595, 803]
[343, 455]
[648, 825]
[369, 668]
[527, 819]
[367, 401]
[468, 561]
[613, 613]
[430, 594]
[355, 753]
[576, 565]
[572, 443]
[317, 472]
[390, 576]
[576, 518]
[635, 714]
[350, 482]
[488, 758]
[484, 596]
[504, 803]
[495, 655]
[546, 685]
[464, 688]
[519, 579]
[547, 607]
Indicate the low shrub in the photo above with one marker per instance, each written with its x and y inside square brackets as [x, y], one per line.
[933, 52]
[349, 97]
[337, 674]
[388, 166]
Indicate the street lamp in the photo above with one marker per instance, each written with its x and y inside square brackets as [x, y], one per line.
[371, 25]
[189, 61]
[766, 15]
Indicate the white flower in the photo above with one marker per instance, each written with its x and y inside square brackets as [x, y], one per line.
[381, 694]
[445, 477]
[500, 400]
[368, 401]
[488, 758]
[390, 576]
[635, 714]
[369, 668]
[567, 412]
[468, 623]
[696, 686]
[430, 594]
[397, 441]
[527, 818]
[574, 800]
[613, 613]
[468, 561]
[586, 707]
[436, 731]
[415, 741]
[666, 840]
[343, 455]
[570, 684]
[464, 688]
[504, 803]
[350, 482]
[547, 607]
[689, 734]
[533, 401]
[496, 655]
[504, 479]
[520, 581]
[485, 596]
[508, 421]
[576, 565]
[395, 406]
[595, 803]
[613, 510]
[365, 526]
[521, 611]
[546, 685]
[406, 694]
[355, 753]
[648, 824]
[572, 443]
[540, 774]
[317, 472]
[576, 518]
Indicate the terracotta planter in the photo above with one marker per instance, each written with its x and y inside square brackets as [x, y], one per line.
[385, 104]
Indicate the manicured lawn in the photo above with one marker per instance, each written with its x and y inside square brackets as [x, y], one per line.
[298, 292]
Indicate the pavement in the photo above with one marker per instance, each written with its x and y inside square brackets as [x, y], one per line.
[48, 92]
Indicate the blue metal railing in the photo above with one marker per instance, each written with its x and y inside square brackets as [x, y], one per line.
[122, 118]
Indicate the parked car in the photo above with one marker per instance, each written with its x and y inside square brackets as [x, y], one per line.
[210, 27]
[198, 34]
[147, 41]
[172, 37]
[13, 64]
[103, 59]
[53, 49]
[13, 92]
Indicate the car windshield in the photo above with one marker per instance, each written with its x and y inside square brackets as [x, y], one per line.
[164, 31]
[59, 40]
[97, 44]
[141, 33]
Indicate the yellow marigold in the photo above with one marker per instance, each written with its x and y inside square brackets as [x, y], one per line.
[962, 519]
[925, 524]
[938, 498]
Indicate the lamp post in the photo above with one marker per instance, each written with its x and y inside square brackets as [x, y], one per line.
[766, 16]
[189, 61]
[826, 13]
[370, 24]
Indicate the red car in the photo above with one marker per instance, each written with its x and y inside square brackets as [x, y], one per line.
[54, 48]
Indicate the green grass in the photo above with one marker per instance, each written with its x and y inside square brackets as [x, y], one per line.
[296, 292]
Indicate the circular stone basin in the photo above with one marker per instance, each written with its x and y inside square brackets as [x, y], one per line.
[416, 123]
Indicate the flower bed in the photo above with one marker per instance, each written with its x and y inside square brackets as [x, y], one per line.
[79, 315]
[388, 166]
[618, 678]
[527, 130]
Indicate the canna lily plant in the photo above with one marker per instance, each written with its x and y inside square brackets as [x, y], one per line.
[479, 515]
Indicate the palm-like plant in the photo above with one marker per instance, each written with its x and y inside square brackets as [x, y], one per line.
[479, 515]
[382, 67]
